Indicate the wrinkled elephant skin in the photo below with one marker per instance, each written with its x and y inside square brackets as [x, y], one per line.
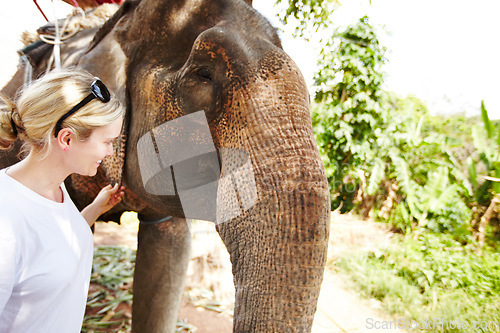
[218, 128]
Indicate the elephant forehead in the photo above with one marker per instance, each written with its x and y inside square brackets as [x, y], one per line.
[158, 29]
[181, 16]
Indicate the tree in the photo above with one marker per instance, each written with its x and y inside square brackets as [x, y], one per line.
[307, 15]
[348, 115]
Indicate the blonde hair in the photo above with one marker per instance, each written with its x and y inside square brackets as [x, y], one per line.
[38, 107]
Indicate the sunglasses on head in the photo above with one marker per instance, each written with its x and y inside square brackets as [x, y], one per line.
[97, 90]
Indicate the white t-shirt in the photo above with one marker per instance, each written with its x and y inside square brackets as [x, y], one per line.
[46, 253]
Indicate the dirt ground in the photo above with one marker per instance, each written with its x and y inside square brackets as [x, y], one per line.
[339, 309]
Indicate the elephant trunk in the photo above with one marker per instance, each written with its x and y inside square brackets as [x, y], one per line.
[278, 255]
[278, 248]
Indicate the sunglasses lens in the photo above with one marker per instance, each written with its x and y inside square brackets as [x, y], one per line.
[100, 91]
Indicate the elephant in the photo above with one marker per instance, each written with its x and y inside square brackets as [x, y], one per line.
[217, 127]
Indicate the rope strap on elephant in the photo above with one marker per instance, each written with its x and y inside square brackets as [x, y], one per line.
[146, 222]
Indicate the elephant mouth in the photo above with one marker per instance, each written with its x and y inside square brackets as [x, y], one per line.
[179, 158]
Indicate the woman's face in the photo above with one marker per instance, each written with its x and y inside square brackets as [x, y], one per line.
[86, 156]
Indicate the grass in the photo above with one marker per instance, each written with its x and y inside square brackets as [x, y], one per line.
[110, 295]
[205, 298]
[430, 278]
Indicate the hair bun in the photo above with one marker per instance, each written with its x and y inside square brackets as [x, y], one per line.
[9, 129]
[15, 120]
[12, 122]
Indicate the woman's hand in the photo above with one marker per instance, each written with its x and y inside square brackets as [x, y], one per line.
[107, 198]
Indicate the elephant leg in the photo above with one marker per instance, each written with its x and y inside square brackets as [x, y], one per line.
[163, 255]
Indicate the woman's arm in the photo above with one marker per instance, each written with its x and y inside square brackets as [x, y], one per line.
[107, 198]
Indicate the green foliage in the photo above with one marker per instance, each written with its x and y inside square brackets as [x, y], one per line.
[112, 273]
[347, 115]
[384, 155]
[113, 267]
[373, 141]
[350, 68]
[485, 161]
[111, 288]
[432, 188]
[307, 14]
[430, 277]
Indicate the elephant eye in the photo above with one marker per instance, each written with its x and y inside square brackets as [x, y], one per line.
[204, 74]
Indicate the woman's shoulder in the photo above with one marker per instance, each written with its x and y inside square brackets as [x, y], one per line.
[5, 186]
[8, 200]
[3, 175]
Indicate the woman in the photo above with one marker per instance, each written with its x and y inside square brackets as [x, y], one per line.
[68, 121]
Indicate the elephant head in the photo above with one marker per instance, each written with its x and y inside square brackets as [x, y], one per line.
[218, 127]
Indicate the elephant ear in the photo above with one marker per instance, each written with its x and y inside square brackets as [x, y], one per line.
[125, 8]
[105, 59]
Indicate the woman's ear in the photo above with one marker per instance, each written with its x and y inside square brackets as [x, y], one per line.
[64, 138]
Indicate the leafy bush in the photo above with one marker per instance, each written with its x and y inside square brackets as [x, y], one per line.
[347, 115]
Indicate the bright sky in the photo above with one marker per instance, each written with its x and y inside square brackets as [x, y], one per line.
[16, 17]
[445, 52]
